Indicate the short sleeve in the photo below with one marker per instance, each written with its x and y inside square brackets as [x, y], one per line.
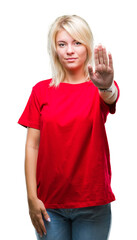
[109, 108]
[31, 114]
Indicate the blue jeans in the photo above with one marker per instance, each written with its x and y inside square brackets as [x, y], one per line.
[88, 223]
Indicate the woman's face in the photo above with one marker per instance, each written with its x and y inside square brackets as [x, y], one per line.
[71, 53]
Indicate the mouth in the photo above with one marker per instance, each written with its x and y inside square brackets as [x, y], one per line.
[71, 59]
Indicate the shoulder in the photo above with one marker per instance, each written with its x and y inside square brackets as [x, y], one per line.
[41, 87]
[42, 84]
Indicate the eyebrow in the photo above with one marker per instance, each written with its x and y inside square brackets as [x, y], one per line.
[65, 41]
[60, 41]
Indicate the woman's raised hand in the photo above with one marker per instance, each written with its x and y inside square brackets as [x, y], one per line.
[103, 76]
[36, 210]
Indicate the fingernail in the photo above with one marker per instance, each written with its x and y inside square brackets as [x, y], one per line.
[49, 220]
[45, 233]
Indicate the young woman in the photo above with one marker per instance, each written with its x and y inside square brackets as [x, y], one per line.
[67, 160]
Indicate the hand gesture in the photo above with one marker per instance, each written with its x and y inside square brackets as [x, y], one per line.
[103, 76]
[36, 210]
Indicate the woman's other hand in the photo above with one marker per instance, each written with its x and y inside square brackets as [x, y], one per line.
[103, 76]
[36, 210]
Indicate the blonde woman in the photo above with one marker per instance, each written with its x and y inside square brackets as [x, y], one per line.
[67, 160]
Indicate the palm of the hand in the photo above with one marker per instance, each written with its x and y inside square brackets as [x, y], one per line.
[103, 75]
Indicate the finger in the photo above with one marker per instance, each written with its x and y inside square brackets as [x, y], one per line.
[110, 60]
[90, 70]
[37, 227]
[100, 54]
[41, 229]
[42, 226]
[45, 215]
[105, 59]
[96, 57]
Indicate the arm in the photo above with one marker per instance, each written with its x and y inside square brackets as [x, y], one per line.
[31, 153]
[36, 206]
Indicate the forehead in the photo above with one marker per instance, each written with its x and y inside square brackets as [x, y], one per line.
[63, 35]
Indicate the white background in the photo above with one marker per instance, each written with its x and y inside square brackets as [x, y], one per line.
[24, 61]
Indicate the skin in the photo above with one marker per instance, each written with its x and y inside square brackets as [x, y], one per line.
[104, 72]
[67, 47]
[102, 77]
[36, 206]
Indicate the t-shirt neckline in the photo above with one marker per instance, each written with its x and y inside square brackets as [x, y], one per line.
[76, 84]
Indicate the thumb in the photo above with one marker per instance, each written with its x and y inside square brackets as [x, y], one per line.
[46, 216]
[90, 70]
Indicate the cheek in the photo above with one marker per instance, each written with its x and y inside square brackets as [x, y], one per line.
[61, 59]
[84, 54]
[83, 51]
[60, 55]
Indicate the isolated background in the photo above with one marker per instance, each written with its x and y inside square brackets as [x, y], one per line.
[24, 61]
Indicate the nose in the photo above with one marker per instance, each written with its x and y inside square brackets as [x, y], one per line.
[70, 49]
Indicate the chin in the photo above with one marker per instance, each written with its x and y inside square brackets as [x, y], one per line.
[72, 66]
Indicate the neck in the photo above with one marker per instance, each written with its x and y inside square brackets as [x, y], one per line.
[75, 77]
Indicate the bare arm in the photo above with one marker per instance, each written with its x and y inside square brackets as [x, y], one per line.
[36, 206]
[31, 153]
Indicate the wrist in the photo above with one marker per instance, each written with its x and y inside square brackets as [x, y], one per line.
[109, 95]
[110, 89]
[32, 198]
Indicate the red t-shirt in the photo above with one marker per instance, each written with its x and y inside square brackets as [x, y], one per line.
[73, 165]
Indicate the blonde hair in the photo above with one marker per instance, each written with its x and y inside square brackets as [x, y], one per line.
[78, 28]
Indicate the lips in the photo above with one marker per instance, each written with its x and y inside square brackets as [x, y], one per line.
[71, 59]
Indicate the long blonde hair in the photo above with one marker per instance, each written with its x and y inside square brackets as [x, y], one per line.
[79, 29]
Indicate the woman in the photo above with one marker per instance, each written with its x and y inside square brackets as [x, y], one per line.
[67, 161]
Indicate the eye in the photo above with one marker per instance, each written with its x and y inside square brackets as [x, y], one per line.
[61, 44]
[77, 43]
